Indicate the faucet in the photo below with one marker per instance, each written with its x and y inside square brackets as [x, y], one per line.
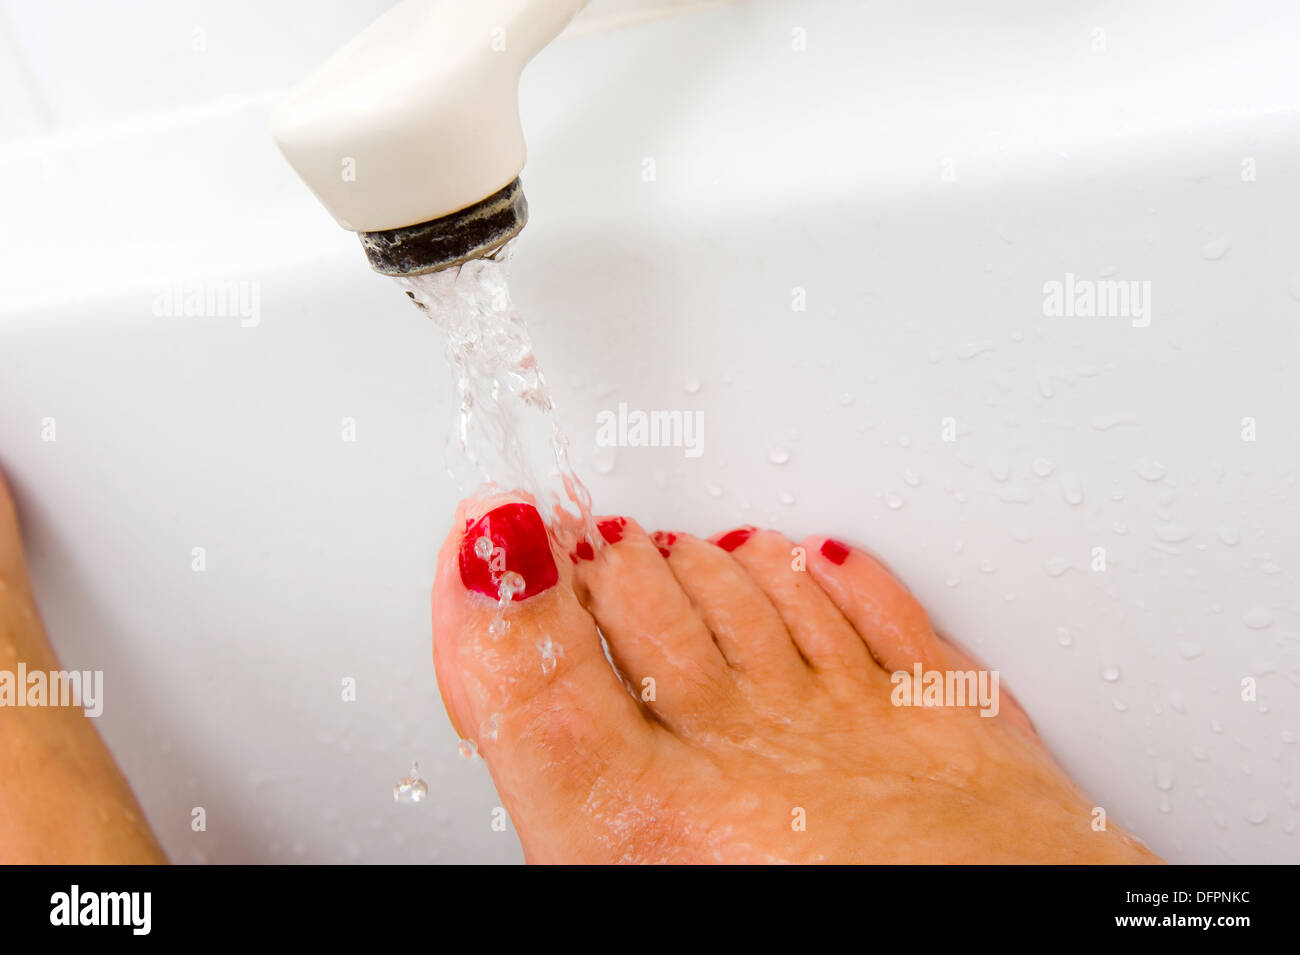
[410, 135]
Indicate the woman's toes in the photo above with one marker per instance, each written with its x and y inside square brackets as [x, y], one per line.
[823, 636]
[747, 627]
[891, 621]
[656, 637]
[526, 677]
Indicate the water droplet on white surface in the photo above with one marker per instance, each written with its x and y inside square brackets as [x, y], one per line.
[1064, 637]
[778, 455]
[1071, 489]
[893, 501]
[1165, 777]
[692, 385]
[846, 399]
[986, 566]
[1215, 249]
[1056, 566]
[1043, 467]
[1149, 469]
[714, 489]
[1000, 469]
[1229, 534]
[1120, 528]
[1258, 618]
[952, 581]
[911, 478]
[1173, 533]
[604, 460]
[1256, 814]
[1110, 673]
[958, 546]
[1189, 649]
[785, 497]
[1288, 737]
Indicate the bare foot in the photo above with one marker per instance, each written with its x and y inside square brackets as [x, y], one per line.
[753, 720]
[62, 798]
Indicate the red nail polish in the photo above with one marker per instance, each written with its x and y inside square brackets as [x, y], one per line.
[834, 551]
[664, 552]
[733, 539]
[612, 529]
[519, 545]
[584, 552]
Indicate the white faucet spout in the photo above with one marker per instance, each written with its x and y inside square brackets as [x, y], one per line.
[418, 117]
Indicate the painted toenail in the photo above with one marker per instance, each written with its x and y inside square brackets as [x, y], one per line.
[834, 551]
[612, 529]
[733, 539]
[583, 552]
[510, 540]
[664, 540]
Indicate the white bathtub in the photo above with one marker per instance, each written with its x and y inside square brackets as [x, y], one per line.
[913, 181]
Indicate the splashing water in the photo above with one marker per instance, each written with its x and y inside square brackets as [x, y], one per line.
[506, 433]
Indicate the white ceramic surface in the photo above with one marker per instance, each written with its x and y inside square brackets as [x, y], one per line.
[920, 176]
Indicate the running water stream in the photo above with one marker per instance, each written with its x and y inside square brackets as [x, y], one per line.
[506, 435]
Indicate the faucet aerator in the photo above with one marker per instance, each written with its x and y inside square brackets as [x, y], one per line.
[478, 231]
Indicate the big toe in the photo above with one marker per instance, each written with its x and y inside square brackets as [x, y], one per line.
[523, 673]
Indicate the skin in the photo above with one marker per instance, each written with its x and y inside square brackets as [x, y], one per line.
[771, 704]
[62, 797]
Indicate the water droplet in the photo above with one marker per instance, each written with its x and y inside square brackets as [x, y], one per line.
[483, 547]
[1104, 422]
[1020, 534]
[958, 546]
[511, 583]
[1288, 737]
[1173, 533]
[411, 788]
[1215, 249]
[846, 399]
[986, 566]
[467, 748]
[1071, 489]
[893, 501]
[1189, 649]
[904, 441]
[1256, 814]
[1228, 534]
[692, 385]
[1000, 469]
[1110, 673]
[1165, 777]
[778, 455]
[952, 581]
[714, 489]
[785, 497]
[1149, 469]
[1043, 467]
[1120, 528]
[1258, 618]
[1064, 637]
[604, 460]
[1056, 566]
[1119, 704]
[973, 349]
[489, 728]
[550, 652]
[911, 478]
